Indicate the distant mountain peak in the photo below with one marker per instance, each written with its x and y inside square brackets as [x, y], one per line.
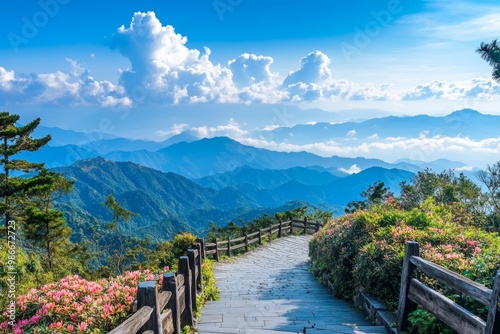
[466, 113]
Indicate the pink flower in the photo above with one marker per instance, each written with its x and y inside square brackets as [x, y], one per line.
[82, 326]
[71, 328]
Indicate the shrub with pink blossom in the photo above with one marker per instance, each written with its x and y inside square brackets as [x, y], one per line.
[76, 305]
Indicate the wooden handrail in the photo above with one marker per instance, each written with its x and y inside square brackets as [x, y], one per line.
[413, 293]
[279, 229]
[178, 295]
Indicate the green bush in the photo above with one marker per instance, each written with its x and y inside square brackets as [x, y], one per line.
[365, 250]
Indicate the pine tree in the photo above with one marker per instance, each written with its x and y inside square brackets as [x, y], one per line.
[15, 139]
[491, 53]
[43, 225]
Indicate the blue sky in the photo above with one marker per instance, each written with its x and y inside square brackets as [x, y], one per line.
[72, 61]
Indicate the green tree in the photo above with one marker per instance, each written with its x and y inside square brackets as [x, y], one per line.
[491, 179]
[445, 188]
[13, 140]
[44, 225]
[491, 53]
[377, 193]
[118, 256]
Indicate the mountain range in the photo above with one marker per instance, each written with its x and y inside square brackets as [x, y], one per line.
[466, 122]
[182, 183]
[168, 203]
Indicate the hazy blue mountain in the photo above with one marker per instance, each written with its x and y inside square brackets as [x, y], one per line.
[437, 166]
[57, 156]
[465, 122]
[106, 146]
[338, 192]
[212, 156]
[266, 178]
[62, 137]
[168, 203]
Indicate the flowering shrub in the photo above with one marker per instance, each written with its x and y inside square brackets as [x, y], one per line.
[365, 249]
[75, 305]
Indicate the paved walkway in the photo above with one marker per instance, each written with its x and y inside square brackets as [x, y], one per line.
[271, 291]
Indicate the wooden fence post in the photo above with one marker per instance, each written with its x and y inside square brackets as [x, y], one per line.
[493, 320]
[246, 243]
[260, 236]
[216, 251]
[405, 305]
[291, 225]
[305, 225]
[146, 296]
[201, 241]
[193, 268]
[280, 230]
[317, 226]
[199, 262]
[270, 233]
[229, 247]
[170, 284]
[187, 315]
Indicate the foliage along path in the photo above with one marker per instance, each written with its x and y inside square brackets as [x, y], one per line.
[270, 290]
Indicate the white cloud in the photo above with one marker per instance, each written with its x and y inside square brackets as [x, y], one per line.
[249, 69]
[232, 129]
[74, 88]
[314, 68]
[351, 133]
[165, 70]
[480, 89]
[373, 136]
[354, 169]
[464, 169]
[424, 147]
[174, 130]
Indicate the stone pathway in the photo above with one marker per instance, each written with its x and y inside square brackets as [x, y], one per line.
[271, 291]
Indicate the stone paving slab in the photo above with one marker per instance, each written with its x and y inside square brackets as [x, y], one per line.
[271, 291]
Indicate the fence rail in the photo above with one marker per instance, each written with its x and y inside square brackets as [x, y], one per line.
[413, 293]
[219, 247]
[172, 308]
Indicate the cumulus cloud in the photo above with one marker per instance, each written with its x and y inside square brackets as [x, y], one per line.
[75, 87]
[249, 69]
[164, 69]
[314, 68]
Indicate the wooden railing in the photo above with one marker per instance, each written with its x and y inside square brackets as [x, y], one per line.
[174, 307]
[227, 247]
[413, 293]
